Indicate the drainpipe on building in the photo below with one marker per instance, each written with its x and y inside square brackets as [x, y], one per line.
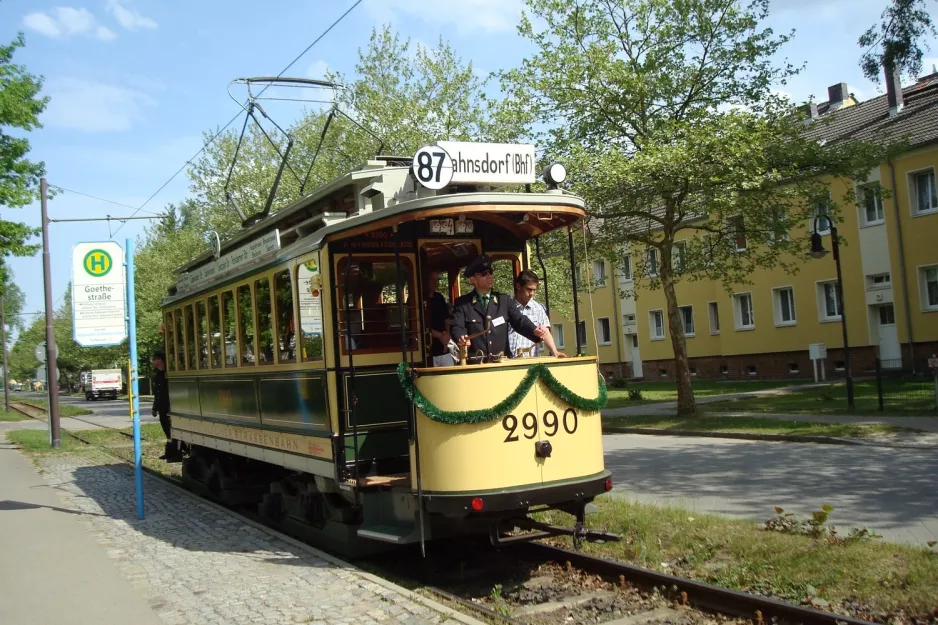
[902, 272]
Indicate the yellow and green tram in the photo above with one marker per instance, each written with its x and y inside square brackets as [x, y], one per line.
[300, 373]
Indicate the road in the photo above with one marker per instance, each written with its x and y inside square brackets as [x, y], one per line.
[107, 412]
[891, 490]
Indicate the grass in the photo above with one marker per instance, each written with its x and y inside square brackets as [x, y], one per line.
[754, 425]
[656, 392]
[879, 576]
[900, 399]
[10, 416]
[65, 410]
[38, 440]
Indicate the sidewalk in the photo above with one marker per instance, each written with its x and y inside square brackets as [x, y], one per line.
[74, 553]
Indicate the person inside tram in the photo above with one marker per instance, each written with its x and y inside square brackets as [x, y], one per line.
[488, 314]
[438, 312]
[526, 284]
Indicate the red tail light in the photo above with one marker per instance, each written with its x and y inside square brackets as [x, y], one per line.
[608, 484]
[478, 504]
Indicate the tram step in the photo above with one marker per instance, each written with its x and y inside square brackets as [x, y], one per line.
[397, 534]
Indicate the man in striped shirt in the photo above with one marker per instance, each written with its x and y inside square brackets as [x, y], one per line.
[525, 286]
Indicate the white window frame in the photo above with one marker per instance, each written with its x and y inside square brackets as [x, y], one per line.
[558, 332]
[693, 326]
[711, 308]
[627, 268]
[652, 252]
[651, 325]
[827, 221]
[884, 281]
[913, 195]
[679, 259]
[738, 311]
[731, 223]
[922, 272]
[861, 196]
[821, 288]
[599, 272]
[777, 306]
[607, 340]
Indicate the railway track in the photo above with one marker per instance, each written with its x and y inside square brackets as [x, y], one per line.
[39, 413]
[535, 583]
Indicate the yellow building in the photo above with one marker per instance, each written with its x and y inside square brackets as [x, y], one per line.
[889, 260]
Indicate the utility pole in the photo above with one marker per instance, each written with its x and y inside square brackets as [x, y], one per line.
[3, 338]
[55, 435]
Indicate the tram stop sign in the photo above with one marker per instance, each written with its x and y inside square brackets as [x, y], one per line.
[98, 294]
[41, 352]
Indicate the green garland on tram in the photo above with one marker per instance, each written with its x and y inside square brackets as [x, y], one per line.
[535, 373]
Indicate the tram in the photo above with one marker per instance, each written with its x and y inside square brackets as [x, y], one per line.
[300, 374]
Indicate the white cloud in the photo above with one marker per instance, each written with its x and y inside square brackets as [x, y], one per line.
[94, 106]
[67, 22]
[130, 20]
[489, 16]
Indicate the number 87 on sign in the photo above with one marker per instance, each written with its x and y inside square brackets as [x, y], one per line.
[433, 167]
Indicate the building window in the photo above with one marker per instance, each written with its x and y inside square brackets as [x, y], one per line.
[656, 325]
[599, 271]
[714, 313]
[581, 334]
[778, 226]
[627, 268]
[679, 256]
[929, 287]
[742, 311]
[687, 318]
[784, 303]
[724, 370]
[558, 335]
[693, 372]
[924, 194]
[887, 314]
[822, 208]
[751, 370]
[878, 281]
[839, 365]
[737, 228]
[663, 373]
[651, 262]
[794, 368]
[829, 305]
[871, 200]
[602, 331]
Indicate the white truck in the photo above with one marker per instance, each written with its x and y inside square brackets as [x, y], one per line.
[101, 383]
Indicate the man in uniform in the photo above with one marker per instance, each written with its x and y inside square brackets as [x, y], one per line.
[485, 309]
[161, 405]
[525, 287]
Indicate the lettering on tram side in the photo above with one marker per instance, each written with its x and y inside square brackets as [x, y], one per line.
[530, 424]
[261, 438]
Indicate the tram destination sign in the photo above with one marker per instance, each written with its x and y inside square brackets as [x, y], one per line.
[99, 315]
[459, 162]
[233, 260]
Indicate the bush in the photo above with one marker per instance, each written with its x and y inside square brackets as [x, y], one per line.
[635, 394]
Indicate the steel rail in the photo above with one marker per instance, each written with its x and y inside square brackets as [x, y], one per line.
[76, 418]
[699, 594]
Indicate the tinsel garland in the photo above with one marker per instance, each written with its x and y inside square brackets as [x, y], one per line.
[535, 373]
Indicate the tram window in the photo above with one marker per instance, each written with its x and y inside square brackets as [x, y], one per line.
[286, 332]
[246, 325]
[265, 329]
[228, 329]
[373, 323]
[202, 327]
[214, 337]
[190, 338]
[169, 332]
[309, 297]
[180, 343]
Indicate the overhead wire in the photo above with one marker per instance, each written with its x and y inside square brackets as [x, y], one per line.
[231, 121]
[100, 199]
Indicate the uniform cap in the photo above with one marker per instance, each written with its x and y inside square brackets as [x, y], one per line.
[479, 263]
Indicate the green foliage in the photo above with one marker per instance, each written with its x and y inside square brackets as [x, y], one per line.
[635, 394]
[896, 40]
[13, 302]
[20, 106]
[816, 527]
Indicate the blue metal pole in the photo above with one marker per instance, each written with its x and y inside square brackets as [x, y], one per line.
[134, 384]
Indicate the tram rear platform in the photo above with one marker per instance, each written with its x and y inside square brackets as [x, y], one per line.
[73, 552]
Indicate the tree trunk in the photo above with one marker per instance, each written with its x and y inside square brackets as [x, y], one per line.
[686, 405]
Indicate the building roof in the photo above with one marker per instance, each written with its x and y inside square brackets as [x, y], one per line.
[871, 121]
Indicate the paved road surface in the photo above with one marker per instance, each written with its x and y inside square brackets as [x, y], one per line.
[107, 412]
[890, 490]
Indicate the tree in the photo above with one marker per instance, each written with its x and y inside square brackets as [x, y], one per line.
[13, 302]
[895, 41]
[20, 107]
[664, 111]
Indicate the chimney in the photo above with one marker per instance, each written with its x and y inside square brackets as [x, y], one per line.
[835, 96]
[893, 89]
[810, 110]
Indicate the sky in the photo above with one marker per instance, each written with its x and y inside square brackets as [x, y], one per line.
[134, 84]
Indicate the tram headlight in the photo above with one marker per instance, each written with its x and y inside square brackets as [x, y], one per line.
[555, 174]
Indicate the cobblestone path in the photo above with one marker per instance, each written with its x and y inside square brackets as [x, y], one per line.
[196, 564]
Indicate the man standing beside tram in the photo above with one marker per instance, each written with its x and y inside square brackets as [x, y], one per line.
[526, 284]
[487, 315]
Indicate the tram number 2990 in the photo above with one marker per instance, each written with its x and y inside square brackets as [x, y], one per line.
[552, 423]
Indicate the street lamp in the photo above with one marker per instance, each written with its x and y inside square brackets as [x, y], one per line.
[818, 251]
